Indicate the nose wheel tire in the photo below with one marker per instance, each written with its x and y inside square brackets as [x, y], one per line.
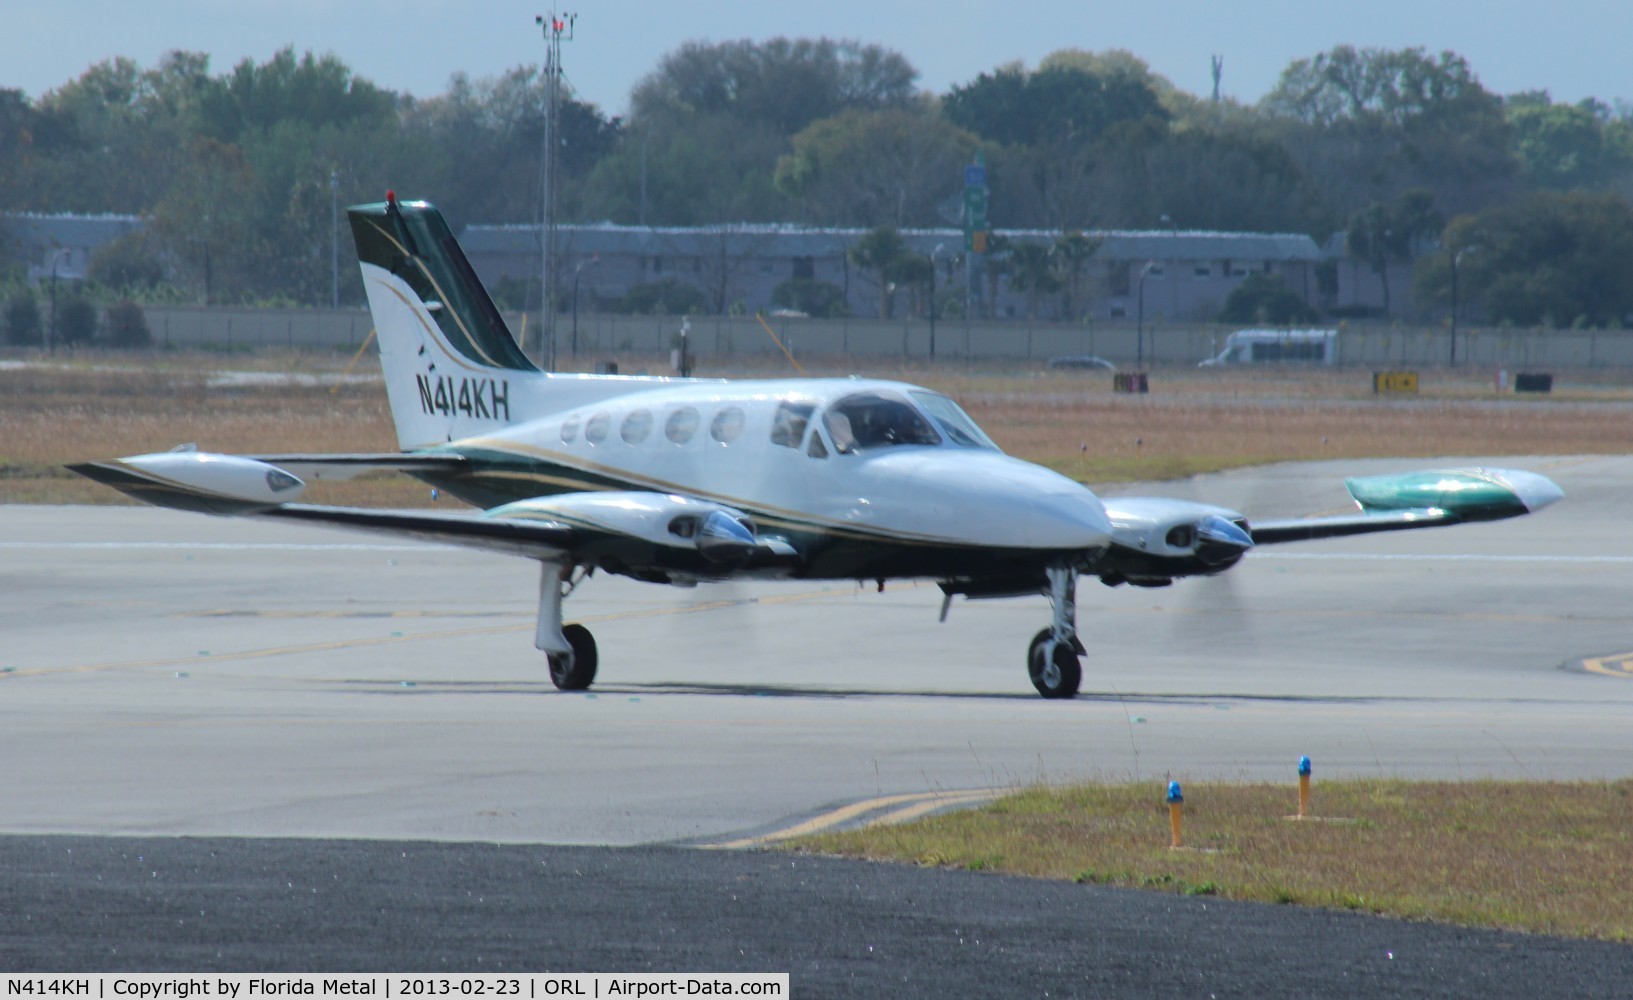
[1054, 666]
[574, 671]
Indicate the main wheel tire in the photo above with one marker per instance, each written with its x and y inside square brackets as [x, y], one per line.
[575, 671]
[1058, 675]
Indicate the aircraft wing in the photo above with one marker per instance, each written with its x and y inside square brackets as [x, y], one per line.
[538, 539]
[1421, 500]
[650, 536]
[1156, 540]
[344, 467]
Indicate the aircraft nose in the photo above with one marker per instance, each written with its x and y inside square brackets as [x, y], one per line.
[1063, 519]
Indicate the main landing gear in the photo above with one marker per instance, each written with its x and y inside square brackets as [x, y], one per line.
[1052, 659]
[570, 648]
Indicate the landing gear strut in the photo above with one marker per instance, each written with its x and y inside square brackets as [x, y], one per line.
[571, 648]
[1052, 659]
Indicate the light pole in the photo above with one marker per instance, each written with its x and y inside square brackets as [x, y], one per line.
[51, 331]
[593, 260]
[1457, 258]
[554, 26]
[933, 255]
[334, 237]
[1139, 324]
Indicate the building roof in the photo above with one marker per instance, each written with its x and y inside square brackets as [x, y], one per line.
[759, 240]
[32, 229]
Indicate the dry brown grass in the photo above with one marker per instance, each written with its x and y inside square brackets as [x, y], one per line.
[1191, 422]
[1545, 857]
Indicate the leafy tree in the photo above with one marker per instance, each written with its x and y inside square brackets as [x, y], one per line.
[1202, 179]
[127, 325]
[1265, 298]
[875, 167]
[1367, 124]
[314, 90]
[130, 262]
[781, 85]
[76, 319]
[1564, 146]
[1061, 103]
[1547, 259]
[23, 326]
[708, 126]
[207, 224]
[811, 296]
[488, 138]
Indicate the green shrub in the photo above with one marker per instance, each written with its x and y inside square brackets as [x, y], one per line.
[127, 325]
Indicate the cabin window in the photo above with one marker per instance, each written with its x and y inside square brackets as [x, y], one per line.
[789, 423]
[636, 427]
[569, 430]
[954, 423]
[876, 420]
[597, 429]
[727, 425]
[681, 425]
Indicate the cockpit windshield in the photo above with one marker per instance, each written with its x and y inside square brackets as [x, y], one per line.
[953, 421]
[866, 420]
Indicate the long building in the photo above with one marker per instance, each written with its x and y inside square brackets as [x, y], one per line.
[1170, 275]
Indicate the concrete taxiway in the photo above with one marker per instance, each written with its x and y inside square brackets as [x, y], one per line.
[167, 673]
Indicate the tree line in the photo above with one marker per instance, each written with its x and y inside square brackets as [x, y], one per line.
[1404, 152]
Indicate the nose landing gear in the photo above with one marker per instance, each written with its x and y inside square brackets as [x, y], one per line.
[1052, 659]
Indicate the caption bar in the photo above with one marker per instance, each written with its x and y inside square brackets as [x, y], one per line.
[401, 986]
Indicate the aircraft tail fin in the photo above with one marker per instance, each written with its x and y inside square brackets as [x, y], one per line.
[450, 362]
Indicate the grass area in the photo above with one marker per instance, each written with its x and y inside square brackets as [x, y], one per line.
[1544, 857]
[1193, 421]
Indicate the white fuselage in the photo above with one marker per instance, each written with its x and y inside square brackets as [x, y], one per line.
[720, 441]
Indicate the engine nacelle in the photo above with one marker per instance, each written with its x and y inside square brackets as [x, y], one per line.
[1155, 540]
[722, 535]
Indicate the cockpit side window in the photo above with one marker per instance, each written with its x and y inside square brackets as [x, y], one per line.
[867, 420]
[788, 425]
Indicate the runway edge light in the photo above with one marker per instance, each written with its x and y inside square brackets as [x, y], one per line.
[1176, 804]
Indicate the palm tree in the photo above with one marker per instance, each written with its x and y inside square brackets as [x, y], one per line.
[878, 252]
[1073, 250]
[1033, 270]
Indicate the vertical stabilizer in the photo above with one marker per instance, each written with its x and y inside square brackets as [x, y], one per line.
[452, 368]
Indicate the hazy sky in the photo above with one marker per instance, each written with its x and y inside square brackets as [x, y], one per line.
[1571, 48]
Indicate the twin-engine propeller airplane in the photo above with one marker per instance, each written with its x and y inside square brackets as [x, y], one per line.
[682, 481]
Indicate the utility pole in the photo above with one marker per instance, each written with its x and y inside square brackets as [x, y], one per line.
[334, 237]
[556, 27]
